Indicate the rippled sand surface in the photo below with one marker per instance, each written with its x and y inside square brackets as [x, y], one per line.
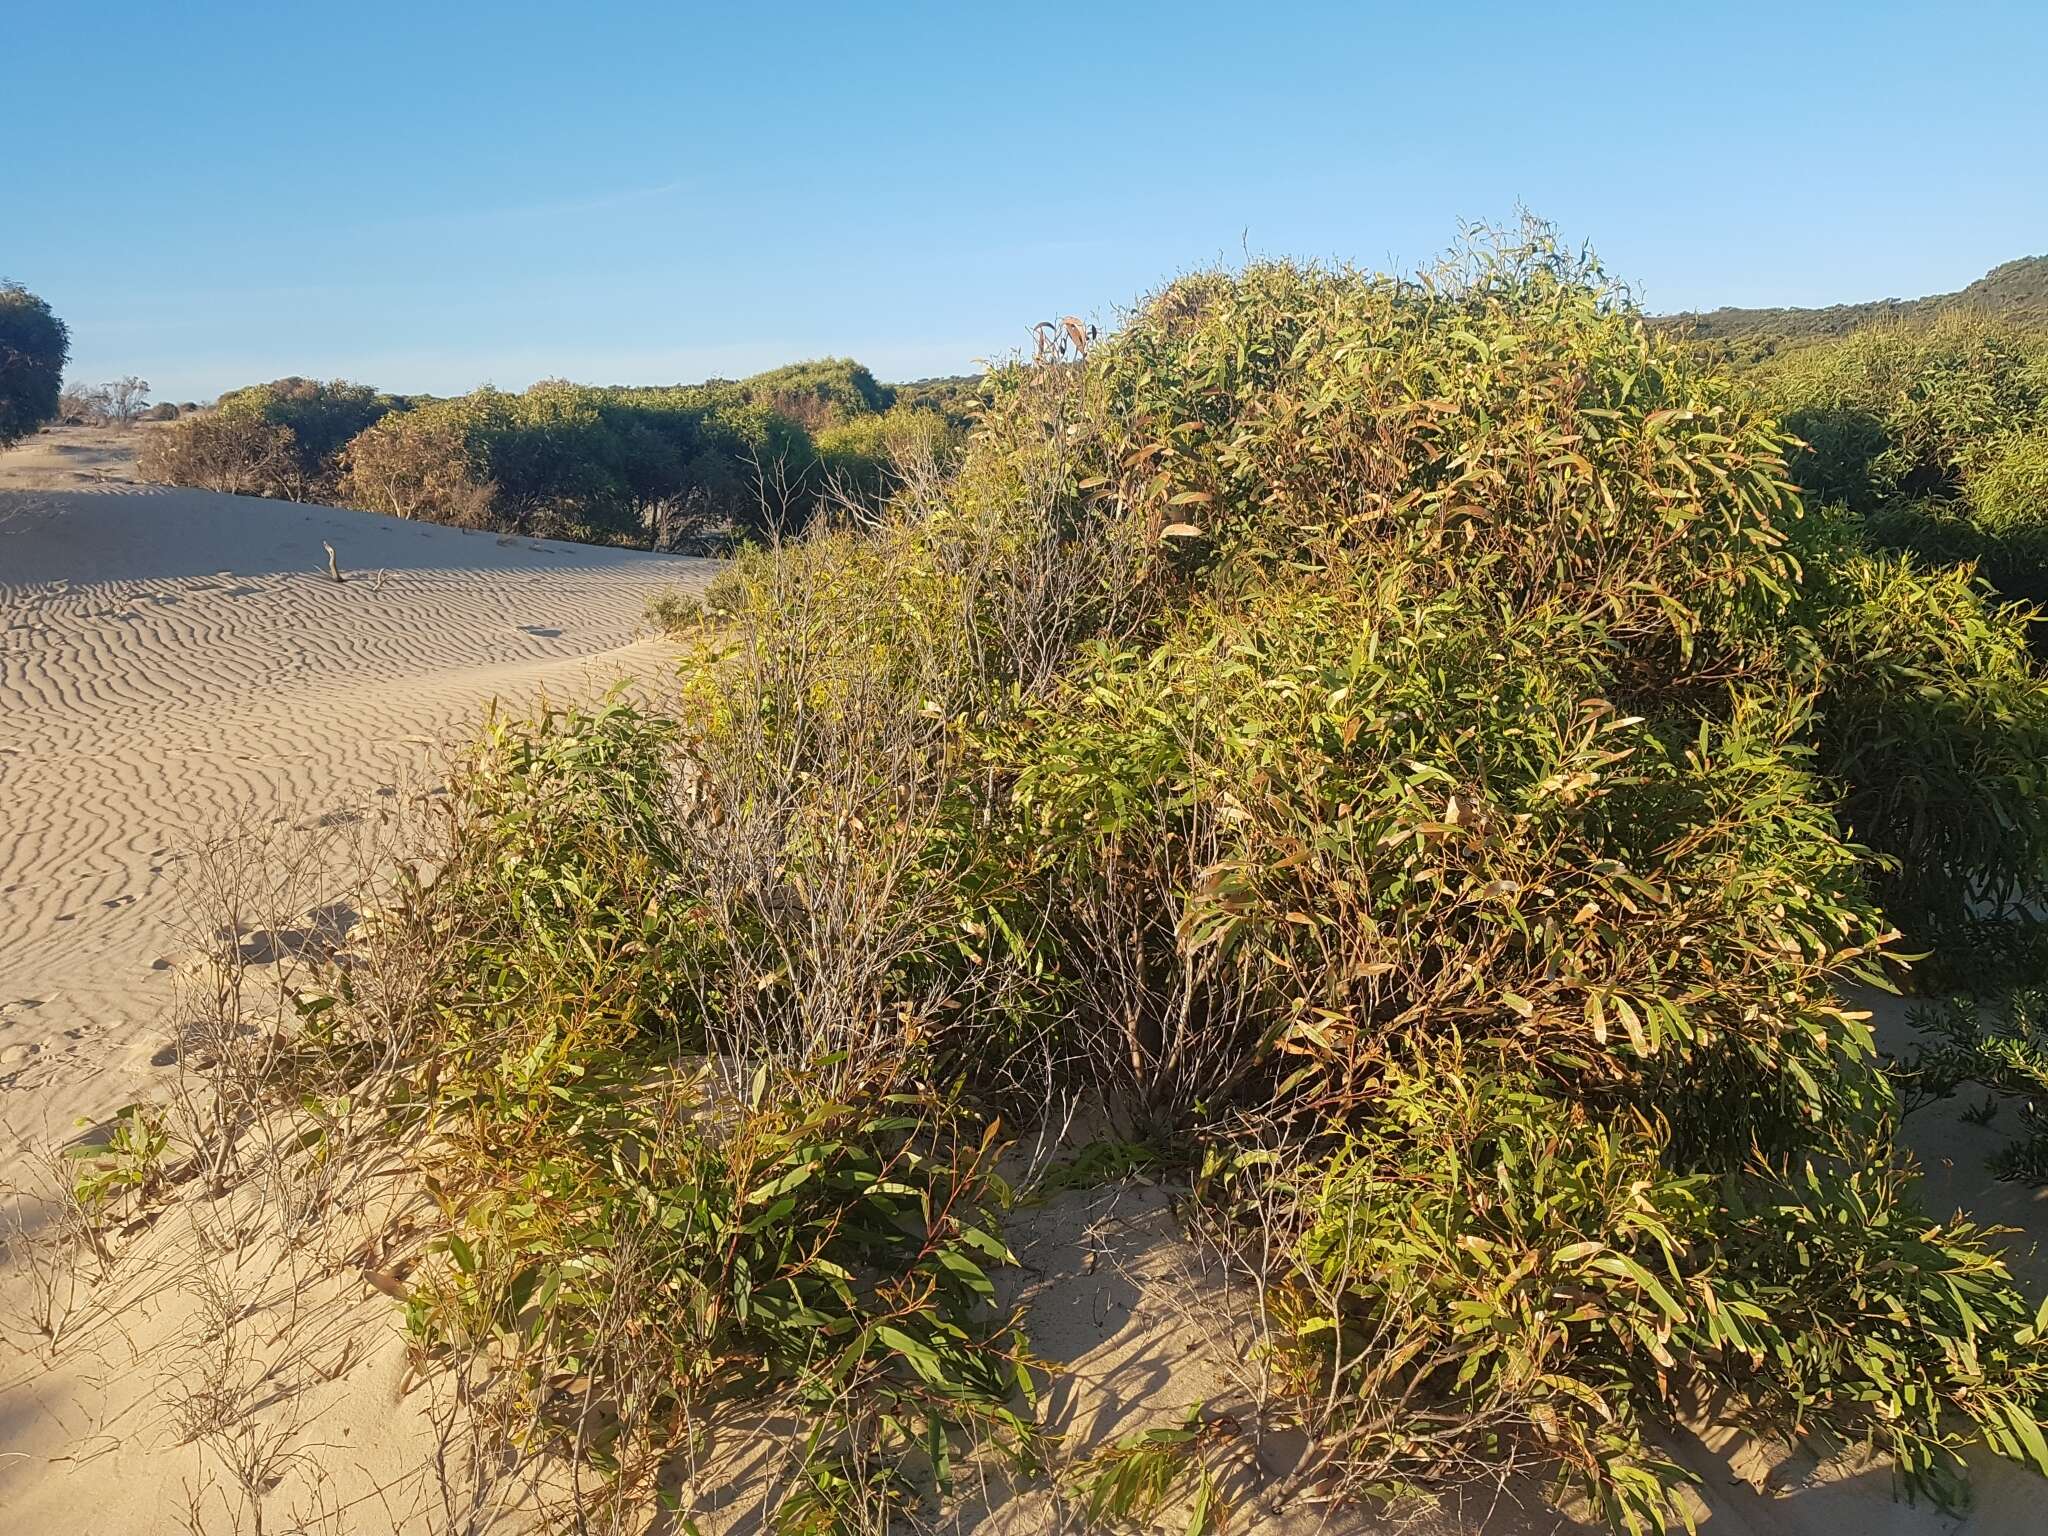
[173, 662]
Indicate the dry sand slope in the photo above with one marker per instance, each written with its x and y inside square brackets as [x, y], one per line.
[173, 661]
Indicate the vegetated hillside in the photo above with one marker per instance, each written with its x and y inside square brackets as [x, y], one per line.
[1406, 754]
[671, 467]
[2016, 292]
[956, 396]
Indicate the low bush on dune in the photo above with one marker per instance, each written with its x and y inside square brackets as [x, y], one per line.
[1397, 745]
[283, 439]
[688, 467]
[564, 458]
[322, 418]
[238, 454]
[814, 395]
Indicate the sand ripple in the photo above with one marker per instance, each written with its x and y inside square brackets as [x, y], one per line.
[172, 661]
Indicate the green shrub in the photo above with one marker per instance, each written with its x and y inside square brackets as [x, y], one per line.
[1480, 1262]
[34, 346]
[1934, 716]
[1433, 784]
[322, 417]
[865, 456]
[675, 613]
[282, 439]
[240, 454]
[1393, 738]
[1903, 413]
[676, 468]
[597, 463]
[640, 1202]
[1936, 436]
[417, 464]
[819, 394]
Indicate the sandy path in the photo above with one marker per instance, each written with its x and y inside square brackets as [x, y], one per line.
[171, 661]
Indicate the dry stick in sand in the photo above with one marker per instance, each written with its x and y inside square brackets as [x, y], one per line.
[333, 566]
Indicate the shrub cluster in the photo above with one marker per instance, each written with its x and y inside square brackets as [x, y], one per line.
[241, 454]
[1934, 720]
[321, 419]
[1937, 436]
[561, 458]
[283, 439]
[684, 467]
[1387, 742]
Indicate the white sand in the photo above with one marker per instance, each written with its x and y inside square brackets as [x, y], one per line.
[172, 661]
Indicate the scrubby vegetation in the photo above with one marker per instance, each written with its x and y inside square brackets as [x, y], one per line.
[1934, 720]
[34, 346]
[2014, 293]
[320, 419]
[1401, 750]
[1936, 437]
[563, 459]
[693, 467]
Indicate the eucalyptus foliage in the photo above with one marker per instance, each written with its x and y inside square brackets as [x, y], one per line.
[1402, 739]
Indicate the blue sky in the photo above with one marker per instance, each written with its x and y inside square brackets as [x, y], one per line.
[436, 194]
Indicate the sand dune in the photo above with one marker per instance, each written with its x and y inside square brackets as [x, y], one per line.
[171, 661]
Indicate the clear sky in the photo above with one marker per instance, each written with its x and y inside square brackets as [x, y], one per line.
[439, 193]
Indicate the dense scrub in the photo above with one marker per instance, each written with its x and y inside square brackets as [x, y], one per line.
[321, 418]
[283, 439]
[684, 467]
[1393, 744]
[1937, 437]
[34, 346]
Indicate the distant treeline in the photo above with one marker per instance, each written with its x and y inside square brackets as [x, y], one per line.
[686, 466]
[2015, 293]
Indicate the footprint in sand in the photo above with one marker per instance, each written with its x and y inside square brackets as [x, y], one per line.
[21, 1051]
